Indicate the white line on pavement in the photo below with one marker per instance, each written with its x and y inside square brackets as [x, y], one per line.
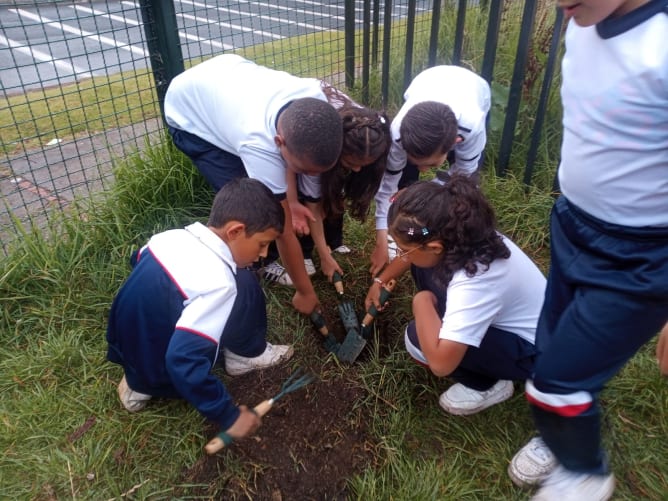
[75, 31]
[46, 58]
[132, 22]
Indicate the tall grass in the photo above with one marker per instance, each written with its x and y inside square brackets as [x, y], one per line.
[66, 435]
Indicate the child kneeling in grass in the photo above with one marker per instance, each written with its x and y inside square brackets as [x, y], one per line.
[478, 296]
[189, 300]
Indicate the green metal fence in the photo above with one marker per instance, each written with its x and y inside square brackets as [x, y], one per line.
[82, 82]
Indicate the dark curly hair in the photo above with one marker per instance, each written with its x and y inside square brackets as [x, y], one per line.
[456, 214]
[366, 133]
[428, 128]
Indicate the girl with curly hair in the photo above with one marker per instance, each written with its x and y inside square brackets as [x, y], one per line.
[478, 295]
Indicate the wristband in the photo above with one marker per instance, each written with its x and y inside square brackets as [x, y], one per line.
[379, 281]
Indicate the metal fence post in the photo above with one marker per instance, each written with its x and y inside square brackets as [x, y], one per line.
[491, 39]
[410, 40]
[433, 36]
[385, 65]
[459, 32]
[350, 42]
[541, 110]
[163, 43]
[515, 95]
[366, 40]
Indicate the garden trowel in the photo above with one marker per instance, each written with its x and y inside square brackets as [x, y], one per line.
[354, 343]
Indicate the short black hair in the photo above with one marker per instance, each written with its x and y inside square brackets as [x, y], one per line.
[313, 128]
[428, 128]
[250, 202]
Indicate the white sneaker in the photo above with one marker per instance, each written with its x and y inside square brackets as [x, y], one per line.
[391, 248]
[236, 365]
[132, 400]
[274, 272]
[565, 485]
[343, 249]
[532, 463]
[310, 267]
[463, 401]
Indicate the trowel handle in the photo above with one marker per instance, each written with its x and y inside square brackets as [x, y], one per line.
[319, 322]
[222, 440]
[337, 280]
[372, 312]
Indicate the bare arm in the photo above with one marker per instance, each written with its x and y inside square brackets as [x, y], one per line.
[327, 262]
[394, 270]
[380, 256]
[305, 299]
[442, 355]
[662, 351]
[301, 216]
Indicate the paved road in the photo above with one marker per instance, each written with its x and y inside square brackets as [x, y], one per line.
[53, 43]
[47, 44]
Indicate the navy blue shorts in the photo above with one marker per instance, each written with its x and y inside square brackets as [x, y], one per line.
[217, 166]
[606, 296]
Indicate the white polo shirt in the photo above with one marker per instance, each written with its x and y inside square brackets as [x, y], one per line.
[508, 296]
[233, 104]
[614, 155]
[469, 97]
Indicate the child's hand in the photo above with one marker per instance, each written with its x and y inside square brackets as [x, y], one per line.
[373, 297]
[379, 258]
[329, 265]
[301, 215]
[662, 351]
[246, 424]
[305, 303]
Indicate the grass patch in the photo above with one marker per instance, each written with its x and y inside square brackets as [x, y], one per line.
[66, 435]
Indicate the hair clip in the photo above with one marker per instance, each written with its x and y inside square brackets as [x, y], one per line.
[410, 231]
[381, 119]
[425, 232]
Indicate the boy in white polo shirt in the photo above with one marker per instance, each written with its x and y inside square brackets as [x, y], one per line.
[234, 118]
[607, 292]
[189, 303]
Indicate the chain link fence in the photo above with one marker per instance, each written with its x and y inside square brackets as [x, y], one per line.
[82, 82]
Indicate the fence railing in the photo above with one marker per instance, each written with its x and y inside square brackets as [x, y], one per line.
[82, 83]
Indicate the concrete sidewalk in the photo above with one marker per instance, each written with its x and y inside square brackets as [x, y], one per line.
[36, 183]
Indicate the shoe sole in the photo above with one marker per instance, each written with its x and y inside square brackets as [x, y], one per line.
[524, 482]
[500, 397]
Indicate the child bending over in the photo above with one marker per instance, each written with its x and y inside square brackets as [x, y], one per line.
[351, 184]
[443, 118]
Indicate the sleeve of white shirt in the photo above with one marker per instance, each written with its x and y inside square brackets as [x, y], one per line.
[396, 161]
[207, 314]
[469, 311]
[309, 186]
[468, 152]
[267, 167]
